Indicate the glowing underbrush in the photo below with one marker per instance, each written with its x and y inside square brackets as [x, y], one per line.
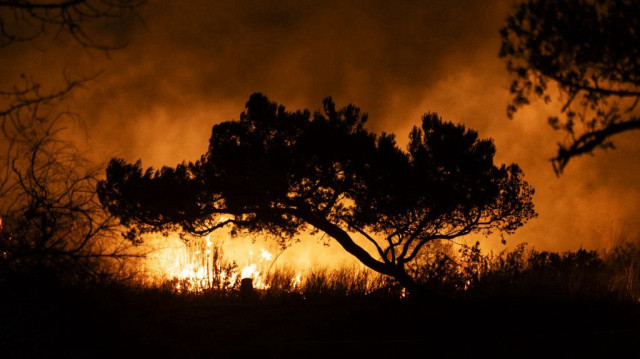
[460, 271]
[200, 267]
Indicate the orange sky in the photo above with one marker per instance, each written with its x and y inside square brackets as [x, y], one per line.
[191, 64]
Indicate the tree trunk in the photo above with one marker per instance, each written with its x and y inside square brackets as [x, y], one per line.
[343, 238]
[392, 270]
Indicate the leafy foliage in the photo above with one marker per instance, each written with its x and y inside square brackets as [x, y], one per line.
[589, 50]
[282, 173]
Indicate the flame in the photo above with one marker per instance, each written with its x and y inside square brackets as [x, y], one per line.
[296, 281]
[248, 271]
[256, 272]
[265, 255]
[192, 266]
[199, 265]
[204, 270]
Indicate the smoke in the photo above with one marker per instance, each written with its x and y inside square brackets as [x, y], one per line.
[192, 64]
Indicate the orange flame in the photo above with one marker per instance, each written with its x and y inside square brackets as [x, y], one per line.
[256, 272]
[198, 265]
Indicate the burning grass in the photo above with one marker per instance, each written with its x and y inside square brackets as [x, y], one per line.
[201, 267]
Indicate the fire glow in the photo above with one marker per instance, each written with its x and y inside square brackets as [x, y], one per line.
[198, 265]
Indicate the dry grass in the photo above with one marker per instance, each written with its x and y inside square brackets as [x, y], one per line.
[459, 272]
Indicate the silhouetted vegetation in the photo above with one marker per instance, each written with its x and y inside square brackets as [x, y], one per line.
[88, 22]
[551, 303]
[588, 49]
[51, 223]
[279, 173]
[462, 273]
[65, 283]
[52, 227]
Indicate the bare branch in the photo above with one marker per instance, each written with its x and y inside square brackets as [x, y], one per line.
[587, 142]
[373, 241]
[25, 20]
[50, 212]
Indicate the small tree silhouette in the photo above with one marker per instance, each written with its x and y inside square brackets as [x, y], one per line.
[588, 49]
[278, 172]
[50, 217]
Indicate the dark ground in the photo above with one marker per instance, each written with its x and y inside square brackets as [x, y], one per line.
[54, 322]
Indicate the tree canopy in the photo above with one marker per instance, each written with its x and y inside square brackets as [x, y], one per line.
[280, 172]
[589, 50]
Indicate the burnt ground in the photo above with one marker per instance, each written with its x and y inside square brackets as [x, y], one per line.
[55, 322]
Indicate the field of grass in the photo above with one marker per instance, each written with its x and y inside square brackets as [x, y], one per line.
[457, 272]
[518, 303]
